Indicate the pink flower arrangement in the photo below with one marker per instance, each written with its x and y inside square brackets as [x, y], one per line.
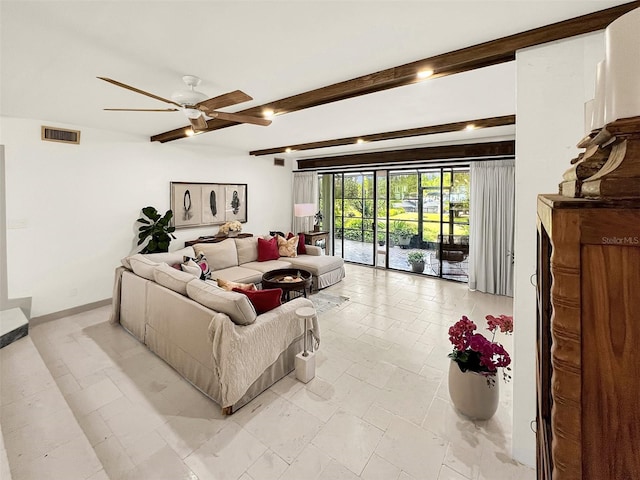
[474, 352]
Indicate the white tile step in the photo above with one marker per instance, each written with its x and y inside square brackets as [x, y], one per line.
[31, 403]
[13, 325]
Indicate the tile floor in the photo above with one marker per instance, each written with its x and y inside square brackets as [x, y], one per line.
[81, 399]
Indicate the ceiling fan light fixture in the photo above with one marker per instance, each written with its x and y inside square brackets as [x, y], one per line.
[423, 74]
[196, 106]
[192, 112]
[268, 113]
[188, 97]
[471, 126]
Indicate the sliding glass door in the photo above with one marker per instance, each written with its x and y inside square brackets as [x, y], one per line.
[353, 216]
[444, 196]
[389, 218]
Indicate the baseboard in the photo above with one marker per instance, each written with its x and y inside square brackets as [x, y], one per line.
[68, 312]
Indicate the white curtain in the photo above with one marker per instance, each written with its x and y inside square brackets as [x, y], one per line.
[305, 190]
[491, 220]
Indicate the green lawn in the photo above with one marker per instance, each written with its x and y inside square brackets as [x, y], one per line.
[431, 225]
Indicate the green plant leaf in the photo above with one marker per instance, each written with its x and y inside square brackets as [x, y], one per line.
[157, 228]
[152, 213]
[168, 216]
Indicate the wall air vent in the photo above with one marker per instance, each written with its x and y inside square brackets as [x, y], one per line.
[51, 134]
[278, 162]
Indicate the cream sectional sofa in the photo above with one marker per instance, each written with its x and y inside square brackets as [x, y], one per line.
[236, 259]
[212, 337]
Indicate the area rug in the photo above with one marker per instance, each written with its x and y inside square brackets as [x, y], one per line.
[326, 301]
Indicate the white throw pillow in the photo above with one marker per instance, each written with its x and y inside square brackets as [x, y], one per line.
[172, 278]
[192, 267]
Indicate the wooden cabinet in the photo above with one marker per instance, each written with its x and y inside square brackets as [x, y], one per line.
[588, 341]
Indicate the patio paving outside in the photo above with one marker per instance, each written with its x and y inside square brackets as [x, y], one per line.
[360, 252]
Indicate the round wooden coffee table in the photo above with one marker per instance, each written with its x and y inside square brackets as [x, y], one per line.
[289, 280]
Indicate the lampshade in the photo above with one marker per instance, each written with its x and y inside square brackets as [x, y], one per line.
[622, 86]
[304, 209]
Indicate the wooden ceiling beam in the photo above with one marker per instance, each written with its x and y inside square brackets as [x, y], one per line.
[423, 154]
[470, 58]
[376, 137]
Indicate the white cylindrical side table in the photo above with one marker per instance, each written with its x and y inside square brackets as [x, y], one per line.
[306, 360]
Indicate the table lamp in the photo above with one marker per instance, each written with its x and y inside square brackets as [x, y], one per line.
[303, 210]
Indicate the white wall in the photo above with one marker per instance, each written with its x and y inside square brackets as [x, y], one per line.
[553, 82]
[71, 209]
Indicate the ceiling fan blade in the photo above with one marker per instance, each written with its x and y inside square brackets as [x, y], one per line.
[141, 109]
[236, 117]
[225, 100]
[137, 90]
[198, 124]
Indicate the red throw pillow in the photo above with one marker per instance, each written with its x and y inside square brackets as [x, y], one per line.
[263, 300]
[268, 249]
[302, 250]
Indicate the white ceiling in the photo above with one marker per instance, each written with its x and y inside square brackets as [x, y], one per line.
[52, 52]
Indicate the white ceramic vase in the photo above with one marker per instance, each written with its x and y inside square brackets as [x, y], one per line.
[471, 394]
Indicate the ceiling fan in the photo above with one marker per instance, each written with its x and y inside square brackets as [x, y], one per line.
[195, 105]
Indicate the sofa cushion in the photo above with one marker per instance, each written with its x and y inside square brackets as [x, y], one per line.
[219, 255]
[236, 305]
[142, 266]
[247, 249]
[269, 265]
[163, 257]
[287, 248]
[171, 278]
[268, 249]
[317, 265]
[302, 249]
[229, 285]
[263, 300]
[238, 274]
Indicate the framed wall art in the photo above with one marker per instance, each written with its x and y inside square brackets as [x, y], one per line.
[198, 204]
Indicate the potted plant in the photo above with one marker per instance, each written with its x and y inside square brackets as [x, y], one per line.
[475, 361]
[416, 260]
[157, 227]
[317, 221]
[401, 233]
